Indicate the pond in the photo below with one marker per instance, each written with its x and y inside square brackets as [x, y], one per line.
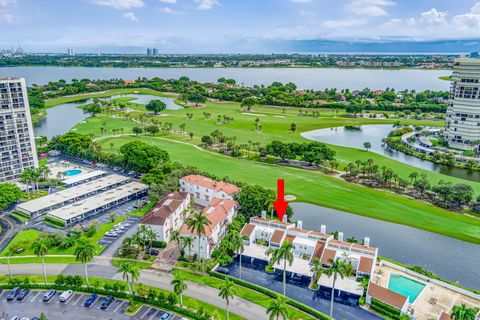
[452, 259]
[354, 137]
[60, 119]
[304, 78]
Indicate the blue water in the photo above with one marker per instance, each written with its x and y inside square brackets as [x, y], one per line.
[405, 286]
[74, 172]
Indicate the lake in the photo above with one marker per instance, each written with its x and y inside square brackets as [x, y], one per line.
[452, 259]
[374, 133]
[304, 78]
[60, 119]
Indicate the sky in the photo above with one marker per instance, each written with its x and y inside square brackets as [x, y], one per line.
[236, 26]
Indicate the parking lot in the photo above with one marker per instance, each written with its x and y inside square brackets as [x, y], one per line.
[73, 308]
[107, 241]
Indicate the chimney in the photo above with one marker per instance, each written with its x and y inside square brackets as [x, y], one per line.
[340, 236]
[300, 224]
[264, 214]
[285, 218]
[366, 242]
[323, 229]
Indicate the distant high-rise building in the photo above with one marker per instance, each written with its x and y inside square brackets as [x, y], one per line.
[17, 143]
[152, 52]
[474, 54]
[149, 52]
[70, 52]
[462, 129]
[155, 52]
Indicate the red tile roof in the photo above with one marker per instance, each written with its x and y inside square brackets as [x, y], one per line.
[216, 212]
[167, 205]
[277, 236]
[205, 182]
[444, 316]
[365, 265]
[386, 296]
[328, 255]
[317, 253]
[247, 230]
[290, 238]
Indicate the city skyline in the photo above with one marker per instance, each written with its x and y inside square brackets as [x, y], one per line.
[225, 26]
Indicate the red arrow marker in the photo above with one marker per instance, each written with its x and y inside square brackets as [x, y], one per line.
[280, 204]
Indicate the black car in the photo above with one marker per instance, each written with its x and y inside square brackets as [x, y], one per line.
[106, 302]
[22, 294]
[13, 294]
[223, 270]
[153, 252]
[88, 303]
[49, 295]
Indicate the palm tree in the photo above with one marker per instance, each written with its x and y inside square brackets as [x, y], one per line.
[134, 275]
[338, 268]
[285, 253]
[236, 239]
[277, 309]
[463, 312]
[11, 250]
[84, 253]
[317, 269]
[179, 285]
[197, 223]
[187, 243]
[40, 249]
[175, 236]
[124, 269]
[227, 291]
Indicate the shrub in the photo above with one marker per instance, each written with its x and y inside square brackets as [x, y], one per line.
[55, 222]
[159, 244]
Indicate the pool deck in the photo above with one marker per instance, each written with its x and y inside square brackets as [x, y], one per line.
[62, 166]
[432, 301]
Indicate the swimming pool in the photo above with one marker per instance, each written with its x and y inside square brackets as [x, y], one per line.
[73, 172]
[405, 286]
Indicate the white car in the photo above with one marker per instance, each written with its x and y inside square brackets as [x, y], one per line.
[111, 234]
[65, 295]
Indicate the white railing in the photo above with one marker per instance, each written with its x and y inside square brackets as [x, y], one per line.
[431, 280]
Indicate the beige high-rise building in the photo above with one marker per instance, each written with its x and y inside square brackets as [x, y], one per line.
[462, 129]
[17, 143]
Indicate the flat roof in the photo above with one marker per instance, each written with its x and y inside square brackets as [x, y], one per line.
[83, 177]
[346, 284]
[71, 193]
[102, 199]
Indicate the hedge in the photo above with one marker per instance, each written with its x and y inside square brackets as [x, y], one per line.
[385, 309]
[274, 295]
[159, 244]
[55, 222]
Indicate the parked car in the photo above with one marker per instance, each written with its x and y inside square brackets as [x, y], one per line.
[65, 296]
[22, 294]
[15, 318]
[49, 295]
[166, 316]
[111, 234]
[223, 270]
[107, 301]
[153, 252]
[90, 301]
[13, 294]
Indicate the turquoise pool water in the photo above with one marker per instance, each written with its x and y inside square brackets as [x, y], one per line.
[74, 172]
[405, 286]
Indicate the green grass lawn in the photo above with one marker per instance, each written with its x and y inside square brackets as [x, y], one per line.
[322, 190]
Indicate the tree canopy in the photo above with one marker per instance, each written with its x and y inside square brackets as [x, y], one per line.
[141, 157]
[9, 194]
[156, 106]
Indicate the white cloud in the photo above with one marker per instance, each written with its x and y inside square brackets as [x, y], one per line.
[119, 4]
[206, 4]
[130, 16]
[470, 20]
[434, 17]
[369, 7]
[343, 23]
[169, 1]
[5, 12]
[168, 10]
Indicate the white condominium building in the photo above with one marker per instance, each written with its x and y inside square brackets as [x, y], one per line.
[462, 128]
[17, 144]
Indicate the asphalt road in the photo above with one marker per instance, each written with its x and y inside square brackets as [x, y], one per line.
[153, 278]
